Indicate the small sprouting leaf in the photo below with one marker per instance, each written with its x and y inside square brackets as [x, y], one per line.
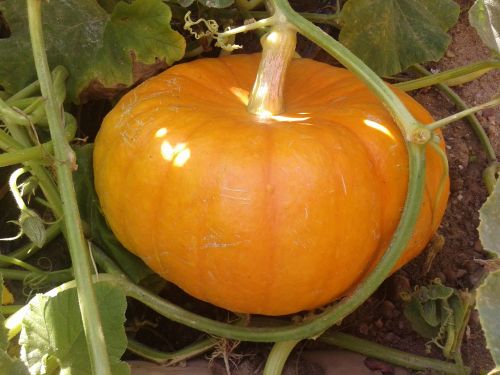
[53, 330]
[484, 16]
[104, 53]
[413, 312]
[488, 305]
[437, 291]
[98, 229]
[33, 227]
[216, 3]
[391, 35]
[430, 314]
[489, 216]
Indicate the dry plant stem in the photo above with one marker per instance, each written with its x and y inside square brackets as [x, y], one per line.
[390, 355]
[278, 49]
[74, 235]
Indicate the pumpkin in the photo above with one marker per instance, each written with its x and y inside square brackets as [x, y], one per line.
[259, 215]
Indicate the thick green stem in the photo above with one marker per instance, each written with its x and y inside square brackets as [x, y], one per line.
[396, 357]
[19, 263]
[27, 91]
[65, 158]
[460, 115]
[278, 49]
[278, 356]
[451, 77]
[472, 119]
[172, 358]
[23, 155]
[46, 183]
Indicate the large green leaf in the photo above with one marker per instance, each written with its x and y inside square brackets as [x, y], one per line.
[489, 226]
[104, 53]
[488, 304]
[484, 16]
[98, 229]
[391, 35]
[52, 330]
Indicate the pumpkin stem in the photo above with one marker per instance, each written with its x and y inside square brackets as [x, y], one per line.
[278, 48]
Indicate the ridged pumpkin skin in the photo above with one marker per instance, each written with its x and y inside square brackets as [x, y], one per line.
[268, 217]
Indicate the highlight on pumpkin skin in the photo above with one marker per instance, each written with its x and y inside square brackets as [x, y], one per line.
[161, 132]
[178, 154]
[381, 128]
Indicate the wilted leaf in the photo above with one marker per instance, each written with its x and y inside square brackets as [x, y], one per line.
[489, 216]
[98, 229]
[391, 35]
[484, 16]
[488, 305]
[104, 53]
[53, 330]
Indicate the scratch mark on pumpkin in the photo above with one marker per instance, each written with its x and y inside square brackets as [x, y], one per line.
[218, 245]
[344, 187]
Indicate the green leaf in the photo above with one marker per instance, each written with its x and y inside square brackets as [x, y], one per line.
[33, 227]
[429, 313]
[489, 216]
[216, 3]
[392, 35]
[53, 331]
[104, 53]
[413, 312]
[484, 16]
[98, 229]
[488, 305]
[437, 291]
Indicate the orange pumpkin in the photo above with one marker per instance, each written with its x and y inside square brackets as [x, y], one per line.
[268, 216]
